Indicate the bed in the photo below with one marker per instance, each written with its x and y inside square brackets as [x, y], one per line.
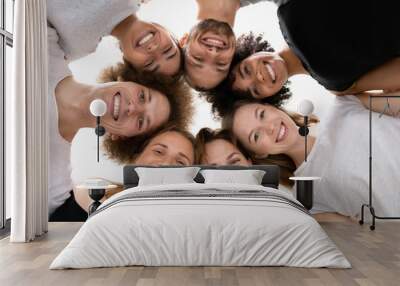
[201, 224]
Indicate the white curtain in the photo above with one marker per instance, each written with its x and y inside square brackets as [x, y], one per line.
[26, 132]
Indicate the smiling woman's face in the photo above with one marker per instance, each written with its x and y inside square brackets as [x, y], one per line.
[168, 148]
[262, 74]
[132, 109]
[223, 152]
[264, 129]
[149, 47]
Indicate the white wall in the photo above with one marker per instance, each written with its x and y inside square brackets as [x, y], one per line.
[178, 16]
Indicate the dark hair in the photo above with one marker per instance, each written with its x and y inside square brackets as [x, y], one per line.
[129, 152]
[177, 93]
[223, 97]
[285, 163]
[207, 135]
[134, 72]
[206, 25]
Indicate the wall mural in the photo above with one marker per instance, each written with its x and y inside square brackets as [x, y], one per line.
[200, 82]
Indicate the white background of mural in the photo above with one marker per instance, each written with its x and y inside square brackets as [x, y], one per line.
[178, 16]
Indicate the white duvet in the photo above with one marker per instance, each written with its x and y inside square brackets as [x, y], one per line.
[188, 231]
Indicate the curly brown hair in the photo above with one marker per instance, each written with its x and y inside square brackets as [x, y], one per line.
[206, 135]
[178, 94]
[223, 97]
[285, 163]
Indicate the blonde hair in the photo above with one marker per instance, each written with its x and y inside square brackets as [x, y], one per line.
[283, 161]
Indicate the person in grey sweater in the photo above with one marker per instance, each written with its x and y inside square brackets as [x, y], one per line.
[80, 25]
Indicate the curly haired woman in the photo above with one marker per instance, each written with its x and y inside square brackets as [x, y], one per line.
[226, 94]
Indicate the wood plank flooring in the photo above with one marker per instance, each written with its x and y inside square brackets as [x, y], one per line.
[375, 257]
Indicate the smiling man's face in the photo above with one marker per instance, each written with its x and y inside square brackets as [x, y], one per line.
[208, 54]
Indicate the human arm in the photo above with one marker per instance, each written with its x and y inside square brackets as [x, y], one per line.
[388, 106]
[57, 63]
[222, 10]
[386, 77]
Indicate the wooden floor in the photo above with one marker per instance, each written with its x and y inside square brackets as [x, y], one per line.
[375, 257]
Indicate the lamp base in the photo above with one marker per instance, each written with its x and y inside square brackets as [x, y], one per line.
[305, 190]
[96, 195]
[305, 193]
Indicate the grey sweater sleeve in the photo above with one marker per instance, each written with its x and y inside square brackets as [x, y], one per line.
[58, 65]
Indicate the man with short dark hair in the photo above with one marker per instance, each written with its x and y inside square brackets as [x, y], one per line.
[210, 45]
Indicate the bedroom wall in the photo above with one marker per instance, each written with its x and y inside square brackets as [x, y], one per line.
[177, 15]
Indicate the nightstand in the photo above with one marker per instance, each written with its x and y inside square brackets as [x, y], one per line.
[97, 189]
[304, 190]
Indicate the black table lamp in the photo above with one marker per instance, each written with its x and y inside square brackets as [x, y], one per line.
[305, 108]
[97, 189]
[98, 108]
[304, 185]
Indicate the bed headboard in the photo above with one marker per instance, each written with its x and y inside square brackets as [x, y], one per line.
[270, 179]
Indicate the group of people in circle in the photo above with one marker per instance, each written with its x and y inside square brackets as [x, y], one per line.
[148, 95]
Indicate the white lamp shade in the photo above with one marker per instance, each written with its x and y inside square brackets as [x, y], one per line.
[305, 107]
[98, 107]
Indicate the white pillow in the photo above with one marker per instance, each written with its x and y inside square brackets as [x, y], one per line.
[163, 176]
[248, 177]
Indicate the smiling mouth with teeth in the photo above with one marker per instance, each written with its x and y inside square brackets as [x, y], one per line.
[271, 72]
[282, 133]
[214, 42]
[117, 104]
[146, 39]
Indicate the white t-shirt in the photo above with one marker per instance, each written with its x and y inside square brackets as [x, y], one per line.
[81, 24]
[60, 182]
[340, 156]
